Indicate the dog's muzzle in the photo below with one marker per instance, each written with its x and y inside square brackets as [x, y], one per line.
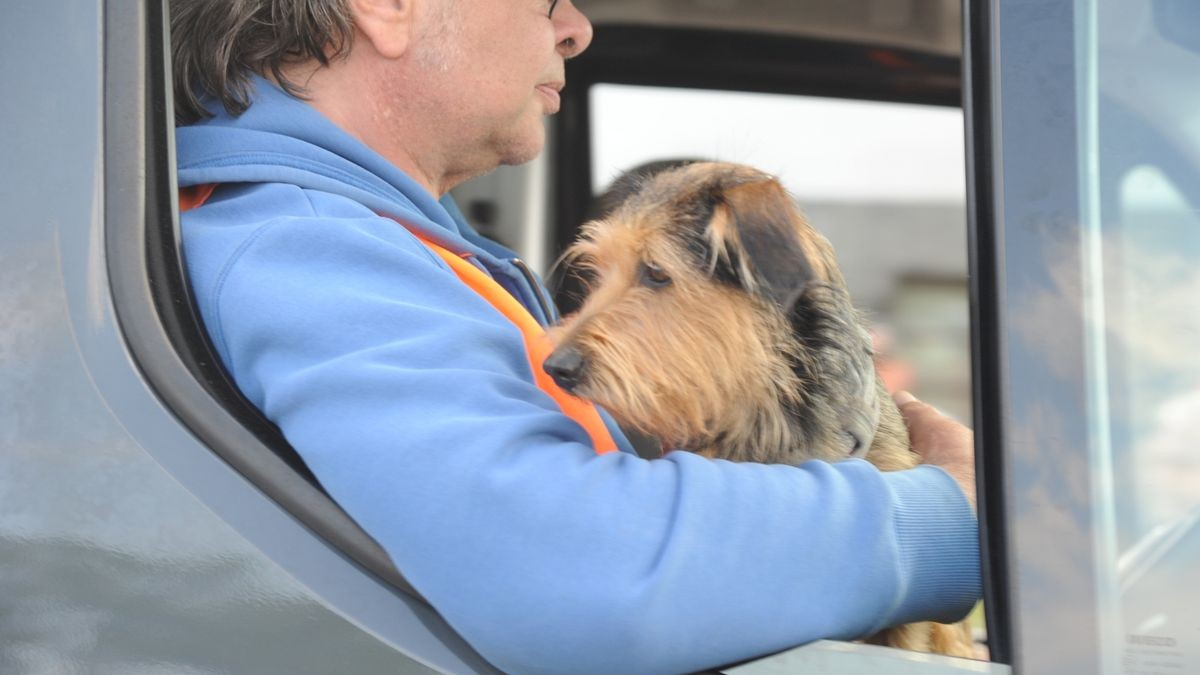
[565, 366]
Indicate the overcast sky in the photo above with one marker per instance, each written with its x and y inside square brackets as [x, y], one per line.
[824, 149]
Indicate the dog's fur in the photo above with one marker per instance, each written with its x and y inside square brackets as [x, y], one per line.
[718, 321]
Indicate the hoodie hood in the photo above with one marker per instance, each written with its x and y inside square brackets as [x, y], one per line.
[281, 139]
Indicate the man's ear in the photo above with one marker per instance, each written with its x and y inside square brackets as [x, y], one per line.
[386, 24]
[758, 228]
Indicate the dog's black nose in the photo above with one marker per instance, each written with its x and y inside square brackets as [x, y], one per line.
[565, 366]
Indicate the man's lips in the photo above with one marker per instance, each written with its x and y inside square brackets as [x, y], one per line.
[550, 91]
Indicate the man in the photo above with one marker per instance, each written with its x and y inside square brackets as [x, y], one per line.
[327, 262]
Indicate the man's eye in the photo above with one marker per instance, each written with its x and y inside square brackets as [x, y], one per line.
[553, 4]
[654, 276]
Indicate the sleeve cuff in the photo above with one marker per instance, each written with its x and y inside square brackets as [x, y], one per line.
[937, 537]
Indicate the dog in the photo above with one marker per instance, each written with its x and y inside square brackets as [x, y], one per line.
[717, 320]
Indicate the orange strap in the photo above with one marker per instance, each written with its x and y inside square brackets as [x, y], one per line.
[537, 347]
[195, 196]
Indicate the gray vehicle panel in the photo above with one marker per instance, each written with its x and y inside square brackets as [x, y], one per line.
[116, 547]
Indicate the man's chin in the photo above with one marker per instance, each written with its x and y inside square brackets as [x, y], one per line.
[523, 140]
[525, 149]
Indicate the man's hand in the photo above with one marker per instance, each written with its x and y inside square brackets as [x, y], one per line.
[940, 441]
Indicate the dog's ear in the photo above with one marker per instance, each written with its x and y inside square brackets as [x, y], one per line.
[843, 362]
[760, 232]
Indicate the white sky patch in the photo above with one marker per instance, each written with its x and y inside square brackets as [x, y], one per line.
[824, 149]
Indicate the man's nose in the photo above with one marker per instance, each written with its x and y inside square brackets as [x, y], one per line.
[573, 30]
[565, 366]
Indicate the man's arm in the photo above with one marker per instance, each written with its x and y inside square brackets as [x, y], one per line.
[410, 400]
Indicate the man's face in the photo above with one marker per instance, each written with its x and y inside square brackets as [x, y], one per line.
[494, 69]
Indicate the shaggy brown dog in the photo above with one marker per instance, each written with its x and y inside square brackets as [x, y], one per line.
[717, 321]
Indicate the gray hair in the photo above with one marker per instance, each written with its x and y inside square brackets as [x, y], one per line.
[218, 45]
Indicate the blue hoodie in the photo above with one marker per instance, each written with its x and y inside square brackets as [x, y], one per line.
[413, 402]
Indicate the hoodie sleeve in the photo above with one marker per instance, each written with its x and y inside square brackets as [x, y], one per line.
[411, 399]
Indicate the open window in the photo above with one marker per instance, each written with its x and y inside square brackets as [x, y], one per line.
[890, 71]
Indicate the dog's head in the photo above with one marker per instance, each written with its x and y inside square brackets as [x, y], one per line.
[717, 319]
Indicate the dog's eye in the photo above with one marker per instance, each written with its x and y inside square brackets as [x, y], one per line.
[654, 276]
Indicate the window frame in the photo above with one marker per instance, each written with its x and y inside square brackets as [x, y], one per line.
[984, 248]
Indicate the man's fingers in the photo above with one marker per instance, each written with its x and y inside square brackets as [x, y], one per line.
[911, 406]
[932, 432]
[940, 440]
